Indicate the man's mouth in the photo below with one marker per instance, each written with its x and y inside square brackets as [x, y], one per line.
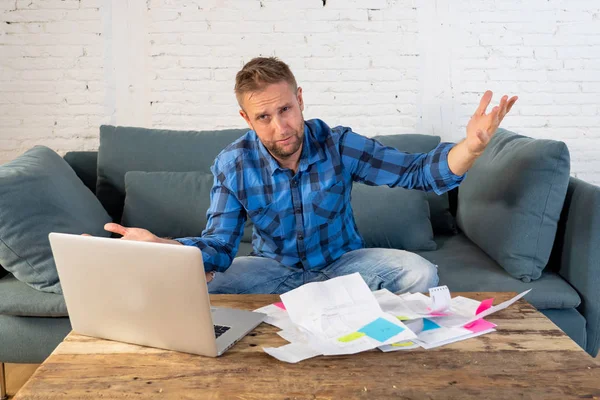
[285, 141]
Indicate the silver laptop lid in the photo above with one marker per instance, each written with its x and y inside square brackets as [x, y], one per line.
[143, 293]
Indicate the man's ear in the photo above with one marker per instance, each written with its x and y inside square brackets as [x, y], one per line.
[300, 99]
[246, 118]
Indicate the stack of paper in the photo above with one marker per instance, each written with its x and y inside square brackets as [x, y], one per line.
[342, 316]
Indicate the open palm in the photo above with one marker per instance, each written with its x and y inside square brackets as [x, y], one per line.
[482, 126]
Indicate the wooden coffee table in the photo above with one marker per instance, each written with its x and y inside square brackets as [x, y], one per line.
[529, 357]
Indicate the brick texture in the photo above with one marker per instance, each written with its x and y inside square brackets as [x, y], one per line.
[379, 66]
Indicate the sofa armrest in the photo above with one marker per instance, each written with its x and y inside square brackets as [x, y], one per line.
[576, 253]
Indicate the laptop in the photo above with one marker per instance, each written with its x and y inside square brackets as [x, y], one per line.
[149, 294]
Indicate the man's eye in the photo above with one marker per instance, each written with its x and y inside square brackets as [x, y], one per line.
[284, 109]
[262, 117]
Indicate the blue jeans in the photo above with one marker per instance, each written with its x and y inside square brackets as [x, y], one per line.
[396, 270]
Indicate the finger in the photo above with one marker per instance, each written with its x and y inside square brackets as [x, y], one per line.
[85, 234]
[116, 228]
[503, 104]
[485, 101]
[511, 102]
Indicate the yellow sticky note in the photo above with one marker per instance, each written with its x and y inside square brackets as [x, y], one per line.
[402, 344]
[403, 318]
[351, 337]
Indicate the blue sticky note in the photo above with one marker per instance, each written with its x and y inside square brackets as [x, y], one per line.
[381, 329]
[429, 325]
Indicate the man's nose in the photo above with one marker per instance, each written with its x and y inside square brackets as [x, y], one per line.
[279, 124]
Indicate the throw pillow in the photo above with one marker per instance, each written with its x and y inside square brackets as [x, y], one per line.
[168, 204]
[510, 202]
[394, 218]
[124, 149]
[442, 221]
[39, 194]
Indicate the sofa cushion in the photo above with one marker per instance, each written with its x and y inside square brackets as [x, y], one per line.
[124, 149]
[85, 165]
[169, 204]
[17, 298]
[571, 322]
[510, 202]
[393, 218]
[30, 340]
[39, 194]
[464, 267]
[442, 221]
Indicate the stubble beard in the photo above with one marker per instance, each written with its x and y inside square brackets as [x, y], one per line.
[282, 153]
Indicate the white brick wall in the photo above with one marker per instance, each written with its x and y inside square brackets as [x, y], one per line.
[380, 66]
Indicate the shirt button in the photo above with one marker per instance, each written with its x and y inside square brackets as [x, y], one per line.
[300, 236]
[294, 183]
[298, 210]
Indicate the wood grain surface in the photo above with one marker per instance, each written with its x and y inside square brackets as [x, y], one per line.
[527, 358]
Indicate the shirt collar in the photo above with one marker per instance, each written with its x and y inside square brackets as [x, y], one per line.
[312, 151]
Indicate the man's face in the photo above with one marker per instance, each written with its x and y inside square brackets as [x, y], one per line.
[275, 114]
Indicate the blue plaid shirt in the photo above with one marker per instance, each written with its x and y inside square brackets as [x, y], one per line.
[305, 220]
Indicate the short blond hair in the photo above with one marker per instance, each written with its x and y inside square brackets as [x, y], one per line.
[260, 72]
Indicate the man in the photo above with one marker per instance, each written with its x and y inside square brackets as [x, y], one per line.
[293, 179]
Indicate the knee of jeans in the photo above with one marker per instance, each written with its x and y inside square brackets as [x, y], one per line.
[427, 278]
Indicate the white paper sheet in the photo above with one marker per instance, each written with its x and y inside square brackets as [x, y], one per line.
[498, 307]
[292, 353]
[277, 317]
[402, 346]
[428, 346]
[440, 299]
[342, 316]
[396, 305]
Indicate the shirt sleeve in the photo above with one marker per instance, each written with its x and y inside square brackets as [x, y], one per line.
[372, 163]
[224, 229]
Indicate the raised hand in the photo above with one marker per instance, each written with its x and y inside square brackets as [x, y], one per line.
[482, 126]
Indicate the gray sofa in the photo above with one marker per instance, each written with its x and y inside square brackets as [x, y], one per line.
[33, 322]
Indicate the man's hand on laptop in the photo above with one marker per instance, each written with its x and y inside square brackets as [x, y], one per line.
[143, 235]
[138, 234]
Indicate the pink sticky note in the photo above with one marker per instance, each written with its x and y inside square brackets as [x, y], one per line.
[484, 305]
[280, 305]
[480, 325]
[437, 314]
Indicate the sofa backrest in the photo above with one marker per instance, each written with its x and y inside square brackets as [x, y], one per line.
[124, 149]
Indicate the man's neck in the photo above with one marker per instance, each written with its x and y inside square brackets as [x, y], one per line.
[291, 162]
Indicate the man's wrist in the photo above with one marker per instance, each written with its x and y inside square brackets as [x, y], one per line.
[168, 240]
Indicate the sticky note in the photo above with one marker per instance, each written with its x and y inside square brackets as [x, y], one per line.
[402, 344]
[480, 325]
[352, 336]
[402, 318]
[438, 314]
[484, 305]
[381, 329]
[429, 325]
[280, 305]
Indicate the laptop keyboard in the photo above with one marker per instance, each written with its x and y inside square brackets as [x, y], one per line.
[220, 329]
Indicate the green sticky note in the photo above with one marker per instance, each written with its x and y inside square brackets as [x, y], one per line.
[351, 337]
[402, 344]
[403, 318]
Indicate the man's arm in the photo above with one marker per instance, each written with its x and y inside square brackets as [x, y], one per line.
[221, 237]
[374, 164]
